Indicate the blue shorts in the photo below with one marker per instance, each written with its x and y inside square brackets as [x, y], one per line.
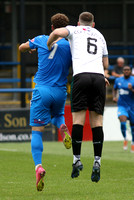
[46, 102]
[127, 111]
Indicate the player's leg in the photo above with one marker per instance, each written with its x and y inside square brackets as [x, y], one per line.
[57, 111]
[39, 117]
[131, 118]
[37, 145]
[59, 122]
[37, 149]
[79, 87]
[57, 107]
[132, 143]
[96, 122]
[96, 105]
[123, 120]
[77, 136]
[123, 115]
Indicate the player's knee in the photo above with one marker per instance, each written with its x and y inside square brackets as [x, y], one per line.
[79, 117]
[58, 120]
[38, 128]
[96, 120]
[96, 123]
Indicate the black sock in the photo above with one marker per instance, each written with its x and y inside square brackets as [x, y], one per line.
[98, 138]
[77, 135]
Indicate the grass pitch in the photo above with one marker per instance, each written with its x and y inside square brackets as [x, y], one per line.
[17, 175]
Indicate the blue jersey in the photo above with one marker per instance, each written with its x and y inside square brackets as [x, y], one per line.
[126, 97]
[53, 66]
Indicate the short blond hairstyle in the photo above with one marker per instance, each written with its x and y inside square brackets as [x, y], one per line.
[121, 59]
[59, 20]
[86, 18]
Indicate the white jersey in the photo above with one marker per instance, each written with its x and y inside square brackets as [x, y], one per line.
[88, 46]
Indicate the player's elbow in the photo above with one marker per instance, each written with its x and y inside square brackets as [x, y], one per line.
[21, 48]
[24, 47]
[60, 32]
[56, 33]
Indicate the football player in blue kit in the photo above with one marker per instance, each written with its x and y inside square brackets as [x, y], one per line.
[49, 95]
[125, 102]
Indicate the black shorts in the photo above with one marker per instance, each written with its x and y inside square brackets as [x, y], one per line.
[88, 91]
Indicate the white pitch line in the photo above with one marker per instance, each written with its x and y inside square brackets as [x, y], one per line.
[8, 149]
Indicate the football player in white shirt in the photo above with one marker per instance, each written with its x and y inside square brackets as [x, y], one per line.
[90, 58]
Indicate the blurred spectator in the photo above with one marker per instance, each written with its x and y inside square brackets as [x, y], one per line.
[118, 67]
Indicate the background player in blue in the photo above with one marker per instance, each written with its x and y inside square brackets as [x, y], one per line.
[49, 95]
[125, 102]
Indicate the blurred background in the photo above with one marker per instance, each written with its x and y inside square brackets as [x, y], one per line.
[21, 20]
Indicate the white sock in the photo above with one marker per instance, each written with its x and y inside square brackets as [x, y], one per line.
[98, 159]
[75, 158]
[37, 166]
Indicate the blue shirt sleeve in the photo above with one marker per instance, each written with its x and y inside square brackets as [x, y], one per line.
[38, 42]
[32, 43]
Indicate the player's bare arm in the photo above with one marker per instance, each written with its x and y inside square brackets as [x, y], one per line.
[105, 65]
[105, 62]
[115, 99]
[24, 47]
[59, 32]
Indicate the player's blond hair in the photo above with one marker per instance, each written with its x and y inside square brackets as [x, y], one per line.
[86, 18]
[59, 20]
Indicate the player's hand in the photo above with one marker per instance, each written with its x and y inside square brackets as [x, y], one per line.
[107, 82]
[115, 99]
[50, 46]
[31, 51]
[130, 86]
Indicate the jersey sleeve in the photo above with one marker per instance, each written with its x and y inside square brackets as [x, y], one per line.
[70, 31]
[105, 51]
[35, 42]
[32, 43]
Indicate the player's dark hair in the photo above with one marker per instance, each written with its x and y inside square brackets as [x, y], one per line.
[86, 18]
[59, 20]
[127, 66]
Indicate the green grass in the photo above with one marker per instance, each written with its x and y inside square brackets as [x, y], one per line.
[17, 175]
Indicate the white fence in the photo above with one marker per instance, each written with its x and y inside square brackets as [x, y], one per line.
[111, 125]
